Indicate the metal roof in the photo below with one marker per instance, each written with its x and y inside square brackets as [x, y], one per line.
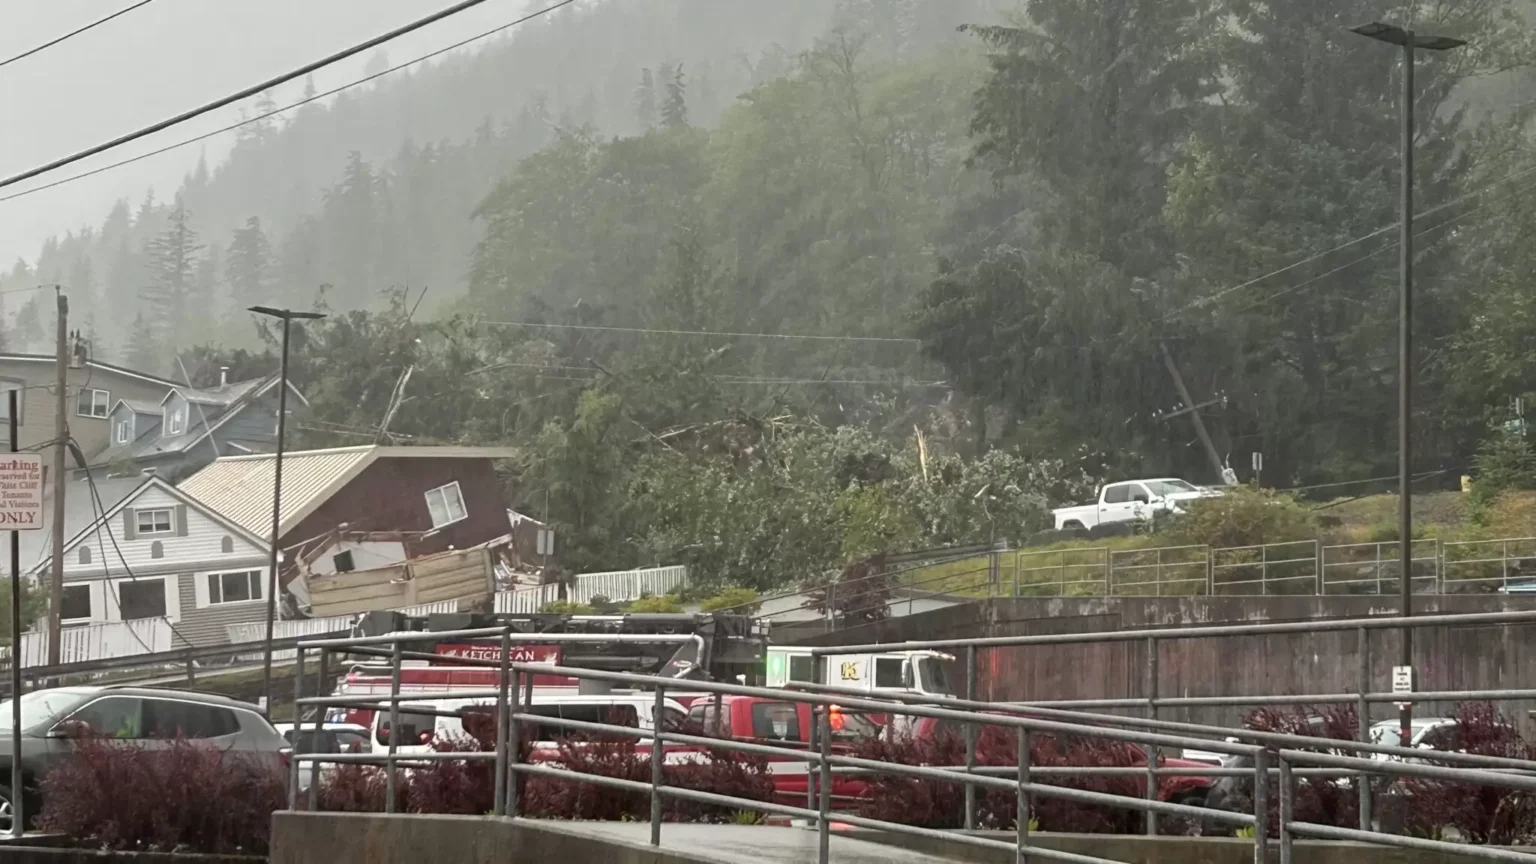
[240, 487]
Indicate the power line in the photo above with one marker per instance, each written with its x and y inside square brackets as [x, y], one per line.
[1210, 298]
[255, 89]
[73, 33]
[658, 332]
[276, 111]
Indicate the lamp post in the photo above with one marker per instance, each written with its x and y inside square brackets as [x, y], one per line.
[287, 316]
[1409, 41]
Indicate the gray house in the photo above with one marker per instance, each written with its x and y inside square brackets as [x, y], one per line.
[158, 558]
[189, 428]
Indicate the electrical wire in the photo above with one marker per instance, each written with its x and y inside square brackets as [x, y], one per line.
[99, 510]
[73, 33]
[276, 111]
[256, 89]
[724, 333]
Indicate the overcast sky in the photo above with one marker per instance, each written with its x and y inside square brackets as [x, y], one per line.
[160, 60]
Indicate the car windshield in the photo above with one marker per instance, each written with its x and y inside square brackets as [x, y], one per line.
[1169, 487]
[43, 706]
[933, 676]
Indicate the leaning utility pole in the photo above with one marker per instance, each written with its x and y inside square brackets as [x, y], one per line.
[60, 445]
[1194, 410]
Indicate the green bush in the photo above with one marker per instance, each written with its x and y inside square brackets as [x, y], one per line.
[566, 607]
[1242, 516]
[1504, 462]
[662, 604]
[730, 599]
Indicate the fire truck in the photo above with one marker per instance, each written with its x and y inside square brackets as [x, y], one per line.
[720, 647]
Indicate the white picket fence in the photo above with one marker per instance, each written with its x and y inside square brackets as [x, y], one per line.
[622, 586]
[526, 601]
[256, 631]
[97, 642]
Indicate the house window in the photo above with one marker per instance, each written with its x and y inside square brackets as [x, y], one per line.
[236, 587]
[6, 386]
[141, 598]
[77, 603]
[342, 561]
[85, 554]
[227, 545]
[446, 504]
[155, 521]
[123, 433]
[93, 403]
[176, 421]
[157, 549]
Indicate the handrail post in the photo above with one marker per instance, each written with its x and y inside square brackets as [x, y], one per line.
[1286, 803]
[824, 807]
[658, 717]
[970, 741]
[813, 745]
[1319, 575]
[323, 676]
[1264, 569]
[390, 780]
[298, 727]
[1152, 750]
[1363, 720]
[1504, 562]
[502, 720]
[1261, 807]
[1022, 816]
[514, 744]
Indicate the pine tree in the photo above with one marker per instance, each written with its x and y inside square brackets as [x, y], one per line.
[166, 301]
[143, 351]
[248, 267]
[674, 109]
[645, 100]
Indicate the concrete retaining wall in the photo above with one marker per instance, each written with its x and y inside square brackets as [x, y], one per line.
[368, 838]
[1162, 850]
[1462, 658]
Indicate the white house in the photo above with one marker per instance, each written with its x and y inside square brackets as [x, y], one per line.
[160, 553]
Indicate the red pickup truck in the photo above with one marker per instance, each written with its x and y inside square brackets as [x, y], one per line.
[783, 724]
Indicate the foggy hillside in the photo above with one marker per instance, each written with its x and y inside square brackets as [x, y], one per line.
[377, 187]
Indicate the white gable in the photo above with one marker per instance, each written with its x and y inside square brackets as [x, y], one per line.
[156, 530]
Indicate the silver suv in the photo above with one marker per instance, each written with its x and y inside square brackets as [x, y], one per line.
[145, 717]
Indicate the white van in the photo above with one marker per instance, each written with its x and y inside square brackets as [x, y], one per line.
[420, 729]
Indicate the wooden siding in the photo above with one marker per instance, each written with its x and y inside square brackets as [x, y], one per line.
[209, 625]
[93, 433]
[390, 495]
[201, 542]
[461, 576]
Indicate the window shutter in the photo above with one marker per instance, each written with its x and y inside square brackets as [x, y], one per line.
[130, 524]
[181, 520]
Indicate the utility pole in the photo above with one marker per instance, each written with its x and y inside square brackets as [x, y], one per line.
[1194, 414]
[60, 446]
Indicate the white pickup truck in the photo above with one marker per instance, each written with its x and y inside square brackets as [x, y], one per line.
[1131, 500]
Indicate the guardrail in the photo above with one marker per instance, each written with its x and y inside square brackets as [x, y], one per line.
[1487, 565]
[1273, 755]
[1272, 569]
[1372, 568]
[86, 642]
[622, 586]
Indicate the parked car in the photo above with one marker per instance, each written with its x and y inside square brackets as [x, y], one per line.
[1132, 501]
[53, 720]
[332, 738]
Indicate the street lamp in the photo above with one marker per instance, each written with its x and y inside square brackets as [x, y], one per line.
[287, 316]
[1409, 41]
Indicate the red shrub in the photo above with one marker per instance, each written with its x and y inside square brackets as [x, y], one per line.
[181, 797]
[937, 804]
[1326, 801]
[1482, 814]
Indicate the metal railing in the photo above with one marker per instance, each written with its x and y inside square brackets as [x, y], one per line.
[1487, 565]
[1372, 568]
[509, 700]
[1273, 754]
[1269, 569]
[1159, 571]
[1062, 572]
[622, 586]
